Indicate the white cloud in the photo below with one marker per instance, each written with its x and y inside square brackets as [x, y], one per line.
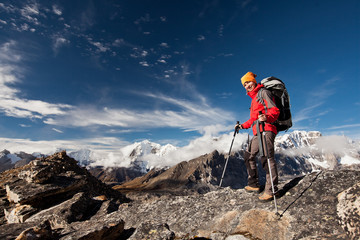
[201, 38]
[144, 63]
[311, 109]
[57, 130]
[221, 30]
[189, 116]
[10, 104]
[29, 12]
[8, 8]
[104, 145]
[31, 9]
[334, 144]
[58, 42]
[143, 19]
[100, 46]
[111, 152]
[57, 10]
[197, 147]
[224, 95]
[24, 108]
[345, 126]
[165, 45]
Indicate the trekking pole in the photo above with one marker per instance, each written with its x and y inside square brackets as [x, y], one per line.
[227, 159]
[268, 162]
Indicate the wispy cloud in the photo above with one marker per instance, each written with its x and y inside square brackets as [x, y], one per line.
[313, 108]
[143, 19]
[201, 38]
[58, 42]
[10, 103]
[188, 116]
[164, 44]
[356, 125]
[30, 12]
[191, 112]
[105, 145]
[56, 9]
[57, 130]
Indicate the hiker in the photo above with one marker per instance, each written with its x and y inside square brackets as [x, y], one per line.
[267, 115]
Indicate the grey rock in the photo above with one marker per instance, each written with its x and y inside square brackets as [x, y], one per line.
[108, 227]
[153, 231]
[348, 209]
[76, 209]
[307, 208]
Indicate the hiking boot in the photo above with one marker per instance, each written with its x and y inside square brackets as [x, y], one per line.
[252, 189]
[266, 197]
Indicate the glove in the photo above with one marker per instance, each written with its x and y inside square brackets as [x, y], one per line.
[238, 127]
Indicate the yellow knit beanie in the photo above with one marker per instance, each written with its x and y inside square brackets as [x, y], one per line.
[248, 77]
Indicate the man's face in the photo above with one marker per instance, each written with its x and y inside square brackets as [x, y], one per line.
[249, 86]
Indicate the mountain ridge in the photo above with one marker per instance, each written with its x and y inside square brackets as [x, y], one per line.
[54, 198]
[297, 153]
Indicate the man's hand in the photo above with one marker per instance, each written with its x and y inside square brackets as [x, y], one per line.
[238, 126]
[262, 118]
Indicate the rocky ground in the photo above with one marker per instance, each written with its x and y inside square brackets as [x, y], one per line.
[54, 198]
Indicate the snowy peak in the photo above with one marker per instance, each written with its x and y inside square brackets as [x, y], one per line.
[83, 156]
[297, 139]
[9, 160]
[139, 149]
[129, 156]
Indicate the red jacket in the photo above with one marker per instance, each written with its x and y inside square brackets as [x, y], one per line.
[271, 114]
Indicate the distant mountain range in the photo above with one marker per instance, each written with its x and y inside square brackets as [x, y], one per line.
[297, 153]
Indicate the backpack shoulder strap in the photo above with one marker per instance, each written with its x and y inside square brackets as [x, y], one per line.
[260, 98]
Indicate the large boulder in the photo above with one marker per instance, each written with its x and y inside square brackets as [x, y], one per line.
[56, 191]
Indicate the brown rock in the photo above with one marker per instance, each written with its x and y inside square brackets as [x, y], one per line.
[263, 224]
[19, 214]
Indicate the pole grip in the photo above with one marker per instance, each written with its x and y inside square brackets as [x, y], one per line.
[236, 129]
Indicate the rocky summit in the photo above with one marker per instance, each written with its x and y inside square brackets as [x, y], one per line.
[54, 198]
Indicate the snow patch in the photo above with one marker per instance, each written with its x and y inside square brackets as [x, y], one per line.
[318, 163]
[14, 158]
[348, 160]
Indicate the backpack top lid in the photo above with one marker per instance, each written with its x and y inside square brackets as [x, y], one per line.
[273, 82]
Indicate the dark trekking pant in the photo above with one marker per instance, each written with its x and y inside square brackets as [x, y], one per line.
[250, 162]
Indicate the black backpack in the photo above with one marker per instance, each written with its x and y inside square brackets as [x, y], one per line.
[282, 101]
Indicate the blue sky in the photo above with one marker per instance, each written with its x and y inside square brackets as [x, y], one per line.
[114, 72]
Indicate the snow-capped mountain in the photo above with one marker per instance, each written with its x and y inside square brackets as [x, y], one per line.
[314, 151]
[296, 139]
[129, 156]
[297, 152]
[10, 160]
